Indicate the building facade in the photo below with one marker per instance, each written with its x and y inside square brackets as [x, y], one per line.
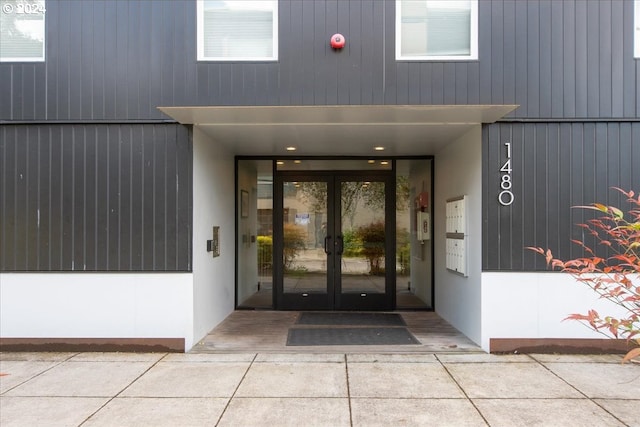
[129, 129]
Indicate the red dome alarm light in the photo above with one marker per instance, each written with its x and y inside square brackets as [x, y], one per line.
[337, 41]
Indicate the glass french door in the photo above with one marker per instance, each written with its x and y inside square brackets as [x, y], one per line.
[335, 241]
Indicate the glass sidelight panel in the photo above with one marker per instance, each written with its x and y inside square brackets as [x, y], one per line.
[305, 239]
[363, 230]
[414, 254]
[255, 234]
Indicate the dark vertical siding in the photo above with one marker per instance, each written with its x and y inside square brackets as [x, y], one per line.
[71, 198]
[555, 166]
[120, 60]
[533, 58]
[118, 197]
[569, 60]
[557, 64]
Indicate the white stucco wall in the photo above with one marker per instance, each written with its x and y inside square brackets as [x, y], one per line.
[458, 172]
[96, 305]
[533, 305]
[213, 202]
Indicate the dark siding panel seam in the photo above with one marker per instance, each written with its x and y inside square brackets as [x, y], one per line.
[545, 58]
[556, 84]
[521, 68]
[617, 60]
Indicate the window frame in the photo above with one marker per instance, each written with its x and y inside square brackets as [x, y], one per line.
[200, 38]
[473, 55]
[636, 29]
[32, 59]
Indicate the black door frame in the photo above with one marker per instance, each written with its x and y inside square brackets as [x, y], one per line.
[335, 299]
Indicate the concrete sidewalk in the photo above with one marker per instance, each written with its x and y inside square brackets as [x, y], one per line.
[249, 389]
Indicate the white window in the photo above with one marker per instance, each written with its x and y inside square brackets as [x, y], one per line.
[237, 30]
[436, 30]
[636, 32]
[22, 30]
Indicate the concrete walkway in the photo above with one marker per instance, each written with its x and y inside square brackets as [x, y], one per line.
[249, 389]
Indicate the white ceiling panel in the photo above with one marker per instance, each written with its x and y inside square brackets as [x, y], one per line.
[337, 130]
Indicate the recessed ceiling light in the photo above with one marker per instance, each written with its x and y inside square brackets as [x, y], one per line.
[384, 162]
[371, 161]
[297, 162]
[291, 148]
[378, 148]
[279, 162]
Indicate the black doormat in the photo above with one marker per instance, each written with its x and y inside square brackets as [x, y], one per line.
[350, 336]
[347, 319]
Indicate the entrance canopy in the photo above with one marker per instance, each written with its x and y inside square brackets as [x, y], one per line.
[346, 130]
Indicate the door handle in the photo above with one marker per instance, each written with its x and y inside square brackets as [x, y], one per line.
[340, 245]
[326, 246]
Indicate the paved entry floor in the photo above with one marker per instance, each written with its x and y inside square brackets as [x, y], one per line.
[333, 390]
[266, 331]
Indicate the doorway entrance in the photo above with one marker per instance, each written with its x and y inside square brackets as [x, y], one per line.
[334, 232]
[286, 208]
